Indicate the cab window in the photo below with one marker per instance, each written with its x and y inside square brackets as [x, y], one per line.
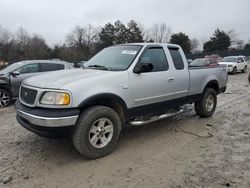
[177, 58]
[157, 57]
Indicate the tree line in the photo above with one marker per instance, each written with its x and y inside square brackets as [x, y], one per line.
[85, 41]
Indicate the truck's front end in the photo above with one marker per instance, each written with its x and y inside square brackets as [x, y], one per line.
[43, 111]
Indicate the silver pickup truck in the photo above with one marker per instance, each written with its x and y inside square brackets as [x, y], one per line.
[123, 84]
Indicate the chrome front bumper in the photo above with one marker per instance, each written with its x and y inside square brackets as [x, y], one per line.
[47, 121]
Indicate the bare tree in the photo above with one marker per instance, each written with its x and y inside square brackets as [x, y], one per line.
[160, 33]
[5, 36]
[233, 36]
[194, 44]
[37, 48]
[22, 42]
[240, 44]
[84, 38]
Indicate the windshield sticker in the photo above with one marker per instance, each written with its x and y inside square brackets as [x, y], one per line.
[129, 52]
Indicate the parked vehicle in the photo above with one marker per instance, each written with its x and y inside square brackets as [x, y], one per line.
[12, 76]
[214, 57]
[124, 84]
[203, 62]
[235, 64]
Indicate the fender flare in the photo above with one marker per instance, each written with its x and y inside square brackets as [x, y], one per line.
[106, 96]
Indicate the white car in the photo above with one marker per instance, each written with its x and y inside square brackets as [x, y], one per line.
[235, 63]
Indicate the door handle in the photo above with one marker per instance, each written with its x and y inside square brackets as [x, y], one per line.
[171, 79]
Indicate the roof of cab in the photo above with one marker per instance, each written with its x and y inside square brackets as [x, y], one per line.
[150, 44]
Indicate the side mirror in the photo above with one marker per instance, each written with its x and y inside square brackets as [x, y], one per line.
[15, 73]
[143, 67]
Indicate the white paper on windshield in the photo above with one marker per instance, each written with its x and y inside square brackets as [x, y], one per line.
[129, 52]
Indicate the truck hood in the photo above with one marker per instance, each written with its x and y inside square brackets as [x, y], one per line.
[60, 79]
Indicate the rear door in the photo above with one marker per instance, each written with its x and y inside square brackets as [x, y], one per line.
[155, 86]
[180, 73]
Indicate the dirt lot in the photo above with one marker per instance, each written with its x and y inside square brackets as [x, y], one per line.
[182, 151]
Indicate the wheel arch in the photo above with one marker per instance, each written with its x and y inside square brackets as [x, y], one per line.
[109, 100]
[212, 84]
[5, 86]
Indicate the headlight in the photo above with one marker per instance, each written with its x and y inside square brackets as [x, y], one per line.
[55, 98]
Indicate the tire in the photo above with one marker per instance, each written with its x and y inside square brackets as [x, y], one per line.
[244, 70]
[4, 98]
[234, 70]
[89, 136]
[206, 106]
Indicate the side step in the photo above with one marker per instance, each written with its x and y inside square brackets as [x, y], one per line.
[154, 118]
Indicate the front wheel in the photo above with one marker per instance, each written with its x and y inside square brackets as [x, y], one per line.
[234, 70]
[96, 132]
[4, 98]
[205, 107]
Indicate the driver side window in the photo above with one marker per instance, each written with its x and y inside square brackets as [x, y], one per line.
[157, 57]
[240, 60]
[30, 68]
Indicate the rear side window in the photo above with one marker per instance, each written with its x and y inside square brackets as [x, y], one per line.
[157, 57]
[44, 67]
[177, 59]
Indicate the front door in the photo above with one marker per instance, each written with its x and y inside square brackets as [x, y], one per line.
[155, 86]
[240, 63]
[24, 72]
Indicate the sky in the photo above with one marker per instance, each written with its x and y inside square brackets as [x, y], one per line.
[54, 19]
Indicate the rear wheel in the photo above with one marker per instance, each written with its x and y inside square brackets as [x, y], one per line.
[97, 131]
[4, 98]
[244, 70]
[206, 106]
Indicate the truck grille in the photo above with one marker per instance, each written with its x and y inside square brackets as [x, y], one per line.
[28, 95]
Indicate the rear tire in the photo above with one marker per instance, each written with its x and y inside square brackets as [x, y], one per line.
[96, 132]
[244, 70]
[4, 98]
[206, 106]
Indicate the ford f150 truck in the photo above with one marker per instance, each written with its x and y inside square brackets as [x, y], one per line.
[123, 84]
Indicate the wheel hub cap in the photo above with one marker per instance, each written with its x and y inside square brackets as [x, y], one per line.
[209, 103]
[4, 99]
[101, 133]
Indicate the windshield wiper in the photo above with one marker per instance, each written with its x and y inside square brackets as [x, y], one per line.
[99, 66]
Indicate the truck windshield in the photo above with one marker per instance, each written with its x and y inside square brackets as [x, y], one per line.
[114, 58]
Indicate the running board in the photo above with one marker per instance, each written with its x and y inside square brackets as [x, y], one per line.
[154, 118]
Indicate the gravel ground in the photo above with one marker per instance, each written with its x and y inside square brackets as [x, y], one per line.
[182, 151]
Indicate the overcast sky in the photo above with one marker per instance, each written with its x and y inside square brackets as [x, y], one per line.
[54, 19]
